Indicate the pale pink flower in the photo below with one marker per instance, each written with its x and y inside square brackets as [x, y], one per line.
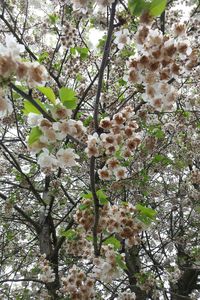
[67, 158]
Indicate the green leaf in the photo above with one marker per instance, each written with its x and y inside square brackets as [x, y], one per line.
[102, 197]
[29, 107]
[101, 43]
[113, 241]
[120, 262]
[157, 7]
[144, 219]
[146, 214]
[34, 135]
[73, 51]
[43, 56]
[83, 206]
[158, 133]
[87, 121]
[70, 234]
[89, 238]
[83, 52]
[122, 82]
[86, 195]
[136, 7]
[159, 158]
[79, 77]
[48, 92]
[68, 97]
[149, 212]
[53, 18]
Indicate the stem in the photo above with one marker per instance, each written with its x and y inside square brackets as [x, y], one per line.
[103, 65]
[96, 206]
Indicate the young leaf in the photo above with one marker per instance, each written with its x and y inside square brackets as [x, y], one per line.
[48, 92]
[83, 52]
[83, 206]
[102, 197]
[29, 107]
[86, 195]
[148, 212]
[113, 241]
[43, 56]
[157, 7]
[53, 18]
[34, 135]
[120, 262]
[68, 97]
[69, 234]
[136, 7]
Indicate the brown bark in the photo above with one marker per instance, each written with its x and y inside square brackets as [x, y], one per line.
[133, 265]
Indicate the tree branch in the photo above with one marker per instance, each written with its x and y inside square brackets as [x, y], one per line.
[103, 65]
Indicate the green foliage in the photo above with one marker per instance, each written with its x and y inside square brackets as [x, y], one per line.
[83, 206]
[113, 241]
[136, 7]
[9, 235]
[100, 194]
[120, 262]
[86, 195]
[102, 197]
[156, 131]
[157, 7]
[43, 56]
[101, 43]
[82, 51]
[154, 7]
[145, 214]
[122, 82]
[87, 121]
[48, 92]
[144, 177]
[53, 18]
[68, 97]
[29, 107]
[34, 135]
[70, 234]
[164, 160]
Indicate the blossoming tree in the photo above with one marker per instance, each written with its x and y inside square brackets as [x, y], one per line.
[99, 150]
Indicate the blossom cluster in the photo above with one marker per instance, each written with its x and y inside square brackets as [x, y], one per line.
[159, 61]
[105, 266]
[79, 246]
[195, 177]
[69, 35]
[120, 135]
[47, 274]
[51, 136]
[115, 219]
[77, 285]
[10, 65]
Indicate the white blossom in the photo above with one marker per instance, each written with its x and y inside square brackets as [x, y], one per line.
[66, 158]
[46, 160]
[12, 48]
[122, 38]
[34, 119]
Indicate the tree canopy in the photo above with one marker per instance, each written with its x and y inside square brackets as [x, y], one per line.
[99, 150]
